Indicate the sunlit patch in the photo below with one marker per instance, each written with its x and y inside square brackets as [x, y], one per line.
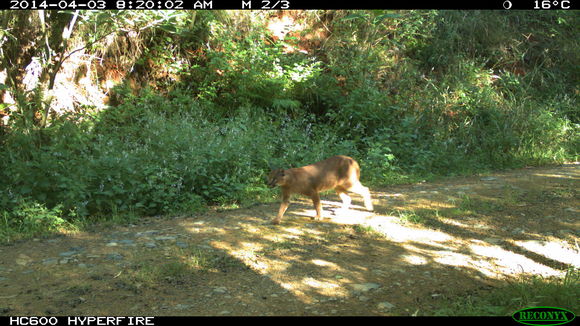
[550, 175]
[304, 287]
[294, 231]
[400, 233]
[552, 250]
[414, 259]
[324, 263]
[469, 224]
[508, 262]
[322, 287]
[451, 258]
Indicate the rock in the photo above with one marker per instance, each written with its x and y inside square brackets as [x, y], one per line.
[182, 306]
[23, 260]
[150, 245]
[68, 253]
[206, 247]
[492, 240]
[181, 244]
[5, 310]
[385, 305]
[220, 289]
[364, 287]
[112, 244]
[165, 237]
[49, 261]
[488, 179]
[3, 278]
[146, 233]
[114, 256]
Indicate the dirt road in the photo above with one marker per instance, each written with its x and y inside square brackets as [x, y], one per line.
[424, 243]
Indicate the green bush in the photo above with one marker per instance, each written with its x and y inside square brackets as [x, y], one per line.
[408, 94]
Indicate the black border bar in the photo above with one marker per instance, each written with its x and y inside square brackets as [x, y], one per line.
[505, 5]
[256, 321]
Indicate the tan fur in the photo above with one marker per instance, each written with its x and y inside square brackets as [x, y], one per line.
[340, 173]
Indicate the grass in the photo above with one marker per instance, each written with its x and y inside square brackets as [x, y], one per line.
[526, 291]
[410, 216]
[417, 216]
[367, 230]
[183, 268]
[469, 205]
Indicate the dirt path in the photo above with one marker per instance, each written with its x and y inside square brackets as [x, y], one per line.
[424, 243]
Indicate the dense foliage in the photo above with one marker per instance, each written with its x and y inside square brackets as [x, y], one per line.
[408, 94]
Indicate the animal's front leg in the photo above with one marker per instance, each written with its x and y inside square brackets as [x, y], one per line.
[317, 206]
[282, 210]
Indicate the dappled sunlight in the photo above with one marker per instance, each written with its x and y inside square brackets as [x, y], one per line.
[508, 262]
[415, 259]
[553, 250]
[161, 126]
[451, 258]
[322, 287]
[571, 175]
[324, 263]
[440, 236]
[304, 288]
[278, 238]
[395, 231]
[333, 211]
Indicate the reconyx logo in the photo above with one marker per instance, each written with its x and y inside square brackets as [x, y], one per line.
[543, 316]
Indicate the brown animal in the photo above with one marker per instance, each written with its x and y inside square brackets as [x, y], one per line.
[340, 173]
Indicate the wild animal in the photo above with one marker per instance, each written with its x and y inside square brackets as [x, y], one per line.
[341, 173]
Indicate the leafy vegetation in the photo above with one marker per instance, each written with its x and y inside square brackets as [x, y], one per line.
[526, 291]
[208, 101]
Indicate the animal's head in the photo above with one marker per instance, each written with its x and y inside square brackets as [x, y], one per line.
[276, 178]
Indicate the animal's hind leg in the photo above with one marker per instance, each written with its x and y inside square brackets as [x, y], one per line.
[317, 205]
[365, 193]
[346, 200]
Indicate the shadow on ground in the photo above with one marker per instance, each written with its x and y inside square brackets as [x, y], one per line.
[423, 243]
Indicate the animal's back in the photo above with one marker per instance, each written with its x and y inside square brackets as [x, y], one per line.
[332, 172]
